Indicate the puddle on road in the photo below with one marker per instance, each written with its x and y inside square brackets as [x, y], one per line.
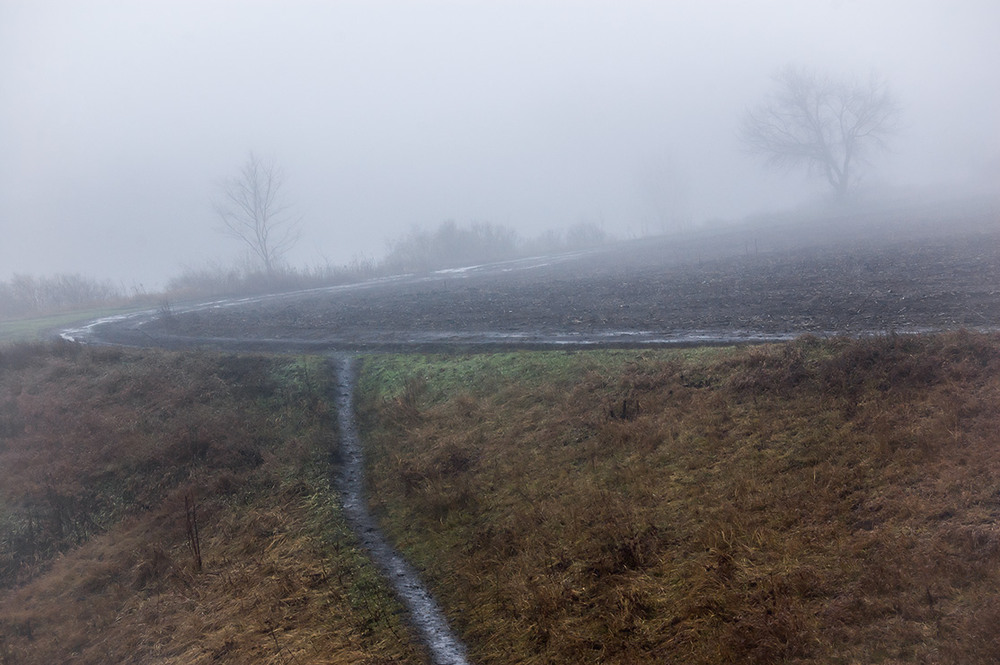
[425, 615]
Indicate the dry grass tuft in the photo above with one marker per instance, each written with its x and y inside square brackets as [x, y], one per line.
[101, 455]
[816, 501]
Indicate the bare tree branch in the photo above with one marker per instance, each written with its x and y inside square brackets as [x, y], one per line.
[251, 209]
[825, 125]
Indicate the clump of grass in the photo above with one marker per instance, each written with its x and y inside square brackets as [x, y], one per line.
[815, 501]
[107, 458]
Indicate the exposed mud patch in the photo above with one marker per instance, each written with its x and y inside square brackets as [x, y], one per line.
[749, 285]
[425, 615]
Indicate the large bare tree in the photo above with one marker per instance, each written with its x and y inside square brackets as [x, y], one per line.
[252, 210]
[824, 124]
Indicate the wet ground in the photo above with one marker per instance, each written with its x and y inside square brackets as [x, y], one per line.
[425, 615]
[902, 273]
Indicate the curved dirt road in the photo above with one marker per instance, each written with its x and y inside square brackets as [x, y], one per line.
[750, 285]
[761, 283]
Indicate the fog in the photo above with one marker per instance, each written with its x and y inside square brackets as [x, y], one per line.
[118, 119]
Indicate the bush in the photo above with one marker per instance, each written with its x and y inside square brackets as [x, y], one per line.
[25, 295]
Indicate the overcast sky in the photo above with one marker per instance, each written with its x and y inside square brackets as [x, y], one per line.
[118, 119]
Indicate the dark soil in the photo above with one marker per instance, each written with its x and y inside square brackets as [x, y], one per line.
[837, 276]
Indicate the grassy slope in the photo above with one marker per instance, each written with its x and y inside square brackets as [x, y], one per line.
[40, 327]
[98, 451]
[813, 502]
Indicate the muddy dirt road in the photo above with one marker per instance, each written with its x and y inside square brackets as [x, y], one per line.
[871, 274]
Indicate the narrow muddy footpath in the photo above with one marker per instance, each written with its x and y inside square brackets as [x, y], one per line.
[424, 614]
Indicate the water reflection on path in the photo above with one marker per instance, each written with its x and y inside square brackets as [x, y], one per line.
[425, 615]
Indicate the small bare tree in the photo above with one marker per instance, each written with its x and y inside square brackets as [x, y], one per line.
[253, 211]
[824, 124]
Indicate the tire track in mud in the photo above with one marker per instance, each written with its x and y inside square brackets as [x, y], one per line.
[425, 614]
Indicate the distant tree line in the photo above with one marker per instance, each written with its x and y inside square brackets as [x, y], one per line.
[449, 245]
[221, 281]
[452, 246]
[24, 295]
[253, 209]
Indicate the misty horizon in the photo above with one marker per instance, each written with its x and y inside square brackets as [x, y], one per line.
[118, 120]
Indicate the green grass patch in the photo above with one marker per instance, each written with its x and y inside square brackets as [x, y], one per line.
[42, 327]
[392, 375]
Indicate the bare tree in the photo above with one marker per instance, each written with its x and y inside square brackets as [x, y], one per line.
[824, 124]
[253, 211]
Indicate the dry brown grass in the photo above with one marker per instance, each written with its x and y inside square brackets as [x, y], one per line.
[98, 451]
[811, 502]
